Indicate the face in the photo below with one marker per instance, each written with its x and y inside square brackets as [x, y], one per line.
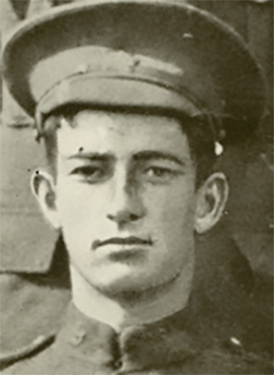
[125, 199]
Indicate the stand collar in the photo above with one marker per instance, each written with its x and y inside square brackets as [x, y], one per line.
[140, 347]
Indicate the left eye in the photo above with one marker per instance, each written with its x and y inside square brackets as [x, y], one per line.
[158, 172]
[158, 175]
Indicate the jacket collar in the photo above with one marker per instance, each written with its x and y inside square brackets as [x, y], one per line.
[145, 346]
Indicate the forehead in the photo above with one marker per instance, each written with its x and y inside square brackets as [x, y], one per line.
[102, 131]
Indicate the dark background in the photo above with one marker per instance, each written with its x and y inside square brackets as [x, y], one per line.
[27, 241]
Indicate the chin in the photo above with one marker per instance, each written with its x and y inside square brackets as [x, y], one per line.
[119, 281]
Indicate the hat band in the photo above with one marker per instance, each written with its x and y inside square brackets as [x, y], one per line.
[123, 91]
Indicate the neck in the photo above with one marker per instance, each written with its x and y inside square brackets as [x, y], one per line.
[120, 314]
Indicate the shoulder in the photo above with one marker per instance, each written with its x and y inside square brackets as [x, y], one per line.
[29, 309]
[235, 360]
[17, 357]
[31, 312]
[217, 361]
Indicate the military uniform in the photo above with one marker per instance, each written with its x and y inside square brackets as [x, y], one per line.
[85, 346]
[156, 56]
[223, 330]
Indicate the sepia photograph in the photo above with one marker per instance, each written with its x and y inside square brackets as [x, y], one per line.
[136, 187]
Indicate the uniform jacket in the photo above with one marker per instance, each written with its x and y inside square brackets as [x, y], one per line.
[84, 346]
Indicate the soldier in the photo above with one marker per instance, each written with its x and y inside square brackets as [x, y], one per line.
[135, 101]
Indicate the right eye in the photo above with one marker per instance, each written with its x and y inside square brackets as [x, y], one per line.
[90, 174]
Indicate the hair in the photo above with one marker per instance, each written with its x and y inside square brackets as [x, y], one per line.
[199, 132]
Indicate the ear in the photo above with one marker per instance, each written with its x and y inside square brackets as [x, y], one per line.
[43, 188]
[211, 201]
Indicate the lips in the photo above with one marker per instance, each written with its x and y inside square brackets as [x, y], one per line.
[121, 241]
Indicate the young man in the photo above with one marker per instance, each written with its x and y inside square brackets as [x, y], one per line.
[135, 101]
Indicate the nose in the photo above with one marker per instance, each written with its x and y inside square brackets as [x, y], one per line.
[126, 205]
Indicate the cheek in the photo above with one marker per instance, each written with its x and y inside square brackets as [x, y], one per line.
[80, 213]
[172, 219]
[77, 204]
[177, 226]
[173, 207]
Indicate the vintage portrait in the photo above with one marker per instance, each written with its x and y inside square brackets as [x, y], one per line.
[136, 187]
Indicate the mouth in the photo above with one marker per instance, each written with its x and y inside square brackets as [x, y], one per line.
[122, 241]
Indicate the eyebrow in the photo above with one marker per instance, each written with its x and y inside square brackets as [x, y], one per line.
[140, 156]
[92, 156]
[148, 155]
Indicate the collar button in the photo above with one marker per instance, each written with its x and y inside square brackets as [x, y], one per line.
[78, 338]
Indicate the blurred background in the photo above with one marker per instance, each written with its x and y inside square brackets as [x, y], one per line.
[27, 242]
